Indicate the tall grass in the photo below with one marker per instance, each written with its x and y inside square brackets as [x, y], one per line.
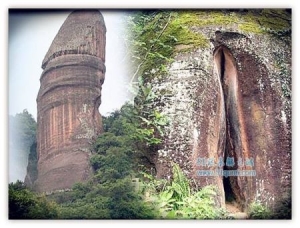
[176, 200]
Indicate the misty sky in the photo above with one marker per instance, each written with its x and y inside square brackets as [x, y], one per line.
[30, 36]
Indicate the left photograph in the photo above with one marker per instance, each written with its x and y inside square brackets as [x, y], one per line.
[57, 66]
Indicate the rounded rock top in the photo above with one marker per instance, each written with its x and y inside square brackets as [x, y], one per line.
[83, 32]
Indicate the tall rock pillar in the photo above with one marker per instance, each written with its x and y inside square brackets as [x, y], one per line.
[68, 101]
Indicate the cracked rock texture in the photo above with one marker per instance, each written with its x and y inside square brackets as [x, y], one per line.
[230, 99]
[68, 101]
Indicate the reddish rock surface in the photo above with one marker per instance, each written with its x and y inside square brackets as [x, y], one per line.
[230, 99]
[68, 101]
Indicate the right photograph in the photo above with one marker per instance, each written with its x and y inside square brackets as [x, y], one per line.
[222, 79]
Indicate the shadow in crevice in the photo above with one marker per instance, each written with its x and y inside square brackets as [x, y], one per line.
[229, 195]
[228, 81]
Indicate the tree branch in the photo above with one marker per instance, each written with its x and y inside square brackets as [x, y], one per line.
[150, 49]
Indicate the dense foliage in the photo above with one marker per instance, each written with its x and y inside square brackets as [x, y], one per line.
[118, 188]
[25, 204]
[110, 194]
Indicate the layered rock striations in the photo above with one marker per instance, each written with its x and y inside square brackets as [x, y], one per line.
[68, 101]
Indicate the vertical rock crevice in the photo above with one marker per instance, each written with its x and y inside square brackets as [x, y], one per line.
[234, 103]
[235, 146]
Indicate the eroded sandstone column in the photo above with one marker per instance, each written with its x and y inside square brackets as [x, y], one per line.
[68, 101]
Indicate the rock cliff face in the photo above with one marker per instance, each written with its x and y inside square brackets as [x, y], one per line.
[68, 101]
[229, 105]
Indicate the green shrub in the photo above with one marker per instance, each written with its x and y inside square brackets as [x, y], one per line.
[259, 211]
[176, 200]
[25, 204]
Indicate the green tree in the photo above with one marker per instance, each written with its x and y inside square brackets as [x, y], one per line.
[110, 193]
[25, 204]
